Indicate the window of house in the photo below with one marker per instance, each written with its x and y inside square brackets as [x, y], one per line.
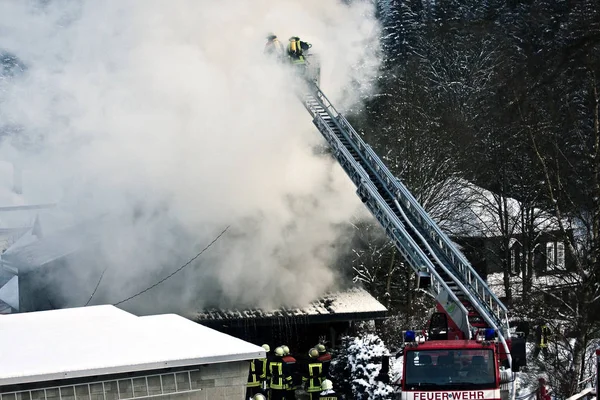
[513, 262]
[516, 257]
[555, 254]
[550, 255]
[560, 254]
[514, 253]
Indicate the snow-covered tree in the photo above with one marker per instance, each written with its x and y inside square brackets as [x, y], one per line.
[356, 368]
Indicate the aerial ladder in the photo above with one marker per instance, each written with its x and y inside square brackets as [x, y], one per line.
[461, 294]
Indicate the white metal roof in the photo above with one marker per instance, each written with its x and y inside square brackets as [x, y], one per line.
[98, 340]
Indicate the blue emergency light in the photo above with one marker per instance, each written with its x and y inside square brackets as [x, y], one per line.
[489, 334]
[410, 336]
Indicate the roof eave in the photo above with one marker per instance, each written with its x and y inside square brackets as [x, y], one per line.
[305, 318]
[131, 368]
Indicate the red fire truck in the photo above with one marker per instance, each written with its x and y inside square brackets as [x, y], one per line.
[453, 369]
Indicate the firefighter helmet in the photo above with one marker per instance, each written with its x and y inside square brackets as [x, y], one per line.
[321, 348]
[266, 347]
[279, 351]
[326, 385]
[313, 353]
[286, 350]
[271, 36]
[259, 396]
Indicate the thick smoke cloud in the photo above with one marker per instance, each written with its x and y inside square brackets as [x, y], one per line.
[160, 123]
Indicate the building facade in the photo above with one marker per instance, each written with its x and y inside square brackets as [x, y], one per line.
[104, 353]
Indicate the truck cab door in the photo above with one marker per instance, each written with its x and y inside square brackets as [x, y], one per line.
[438, 327]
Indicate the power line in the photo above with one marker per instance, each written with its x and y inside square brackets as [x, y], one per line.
[97, 285]
[177, 270]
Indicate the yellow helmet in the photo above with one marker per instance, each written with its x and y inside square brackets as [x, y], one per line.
[321, 348]
[259, 396]
[266, 347]
[286, 350]
[279, 351]
[313, 353]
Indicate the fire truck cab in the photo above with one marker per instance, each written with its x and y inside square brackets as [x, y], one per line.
[453, 369]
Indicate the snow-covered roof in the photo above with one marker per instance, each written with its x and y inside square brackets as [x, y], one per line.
[99, 340]
[495, 282]
[353, 303]
[479, 213]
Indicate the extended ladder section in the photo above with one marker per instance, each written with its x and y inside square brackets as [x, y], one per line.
[467, 298]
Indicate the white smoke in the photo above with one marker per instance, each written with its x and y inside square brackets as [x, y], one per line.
[164, 121]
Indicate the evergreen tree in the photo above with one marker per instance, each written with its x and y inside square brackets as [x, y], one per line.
[356, 368]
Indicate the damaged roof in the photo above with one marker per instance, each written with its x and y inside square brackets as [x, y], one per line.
[352, 304]
[32, 251]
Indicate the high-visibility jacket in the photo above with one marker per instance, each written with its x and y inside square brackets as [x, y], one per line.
[289, 370]
[544, 334]
[254, 377]
[263, 363]
[294, 50]
[314, 376]
[328, 395]
[278, 380]
[325, 359]
[274, 47]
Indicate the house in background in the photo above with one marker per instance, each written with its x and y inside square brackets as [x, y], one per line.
[487, 254]
[501, 235]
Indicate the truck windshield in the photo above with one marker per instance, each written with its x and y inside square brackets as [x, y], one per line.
[449, 369]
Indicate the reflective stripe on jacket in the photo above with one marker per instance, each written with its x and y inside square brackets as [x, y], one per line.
[263, 369]
[315, 377]
[278, 380]
[253, 375]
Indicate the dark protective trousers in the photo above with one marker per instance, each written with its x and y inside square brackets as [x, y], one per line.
[278, 394]
[251, 391]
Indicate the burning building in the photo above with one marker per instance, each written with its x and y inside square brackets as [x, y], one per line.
[40, 272]
[324, 320]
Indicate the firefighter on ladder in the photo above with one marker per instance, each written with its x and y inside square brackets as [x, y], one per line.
[295, 52]
[274, 48]
[313, 375]
[278, 380]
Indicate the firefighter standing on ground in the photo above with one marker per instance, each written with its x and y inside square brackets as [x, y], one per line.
[264, 369]
[327, 392]
[313, 375]
[255, 377]
[289, 369]
[278, 380]
[542, 334]
[325, 359]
